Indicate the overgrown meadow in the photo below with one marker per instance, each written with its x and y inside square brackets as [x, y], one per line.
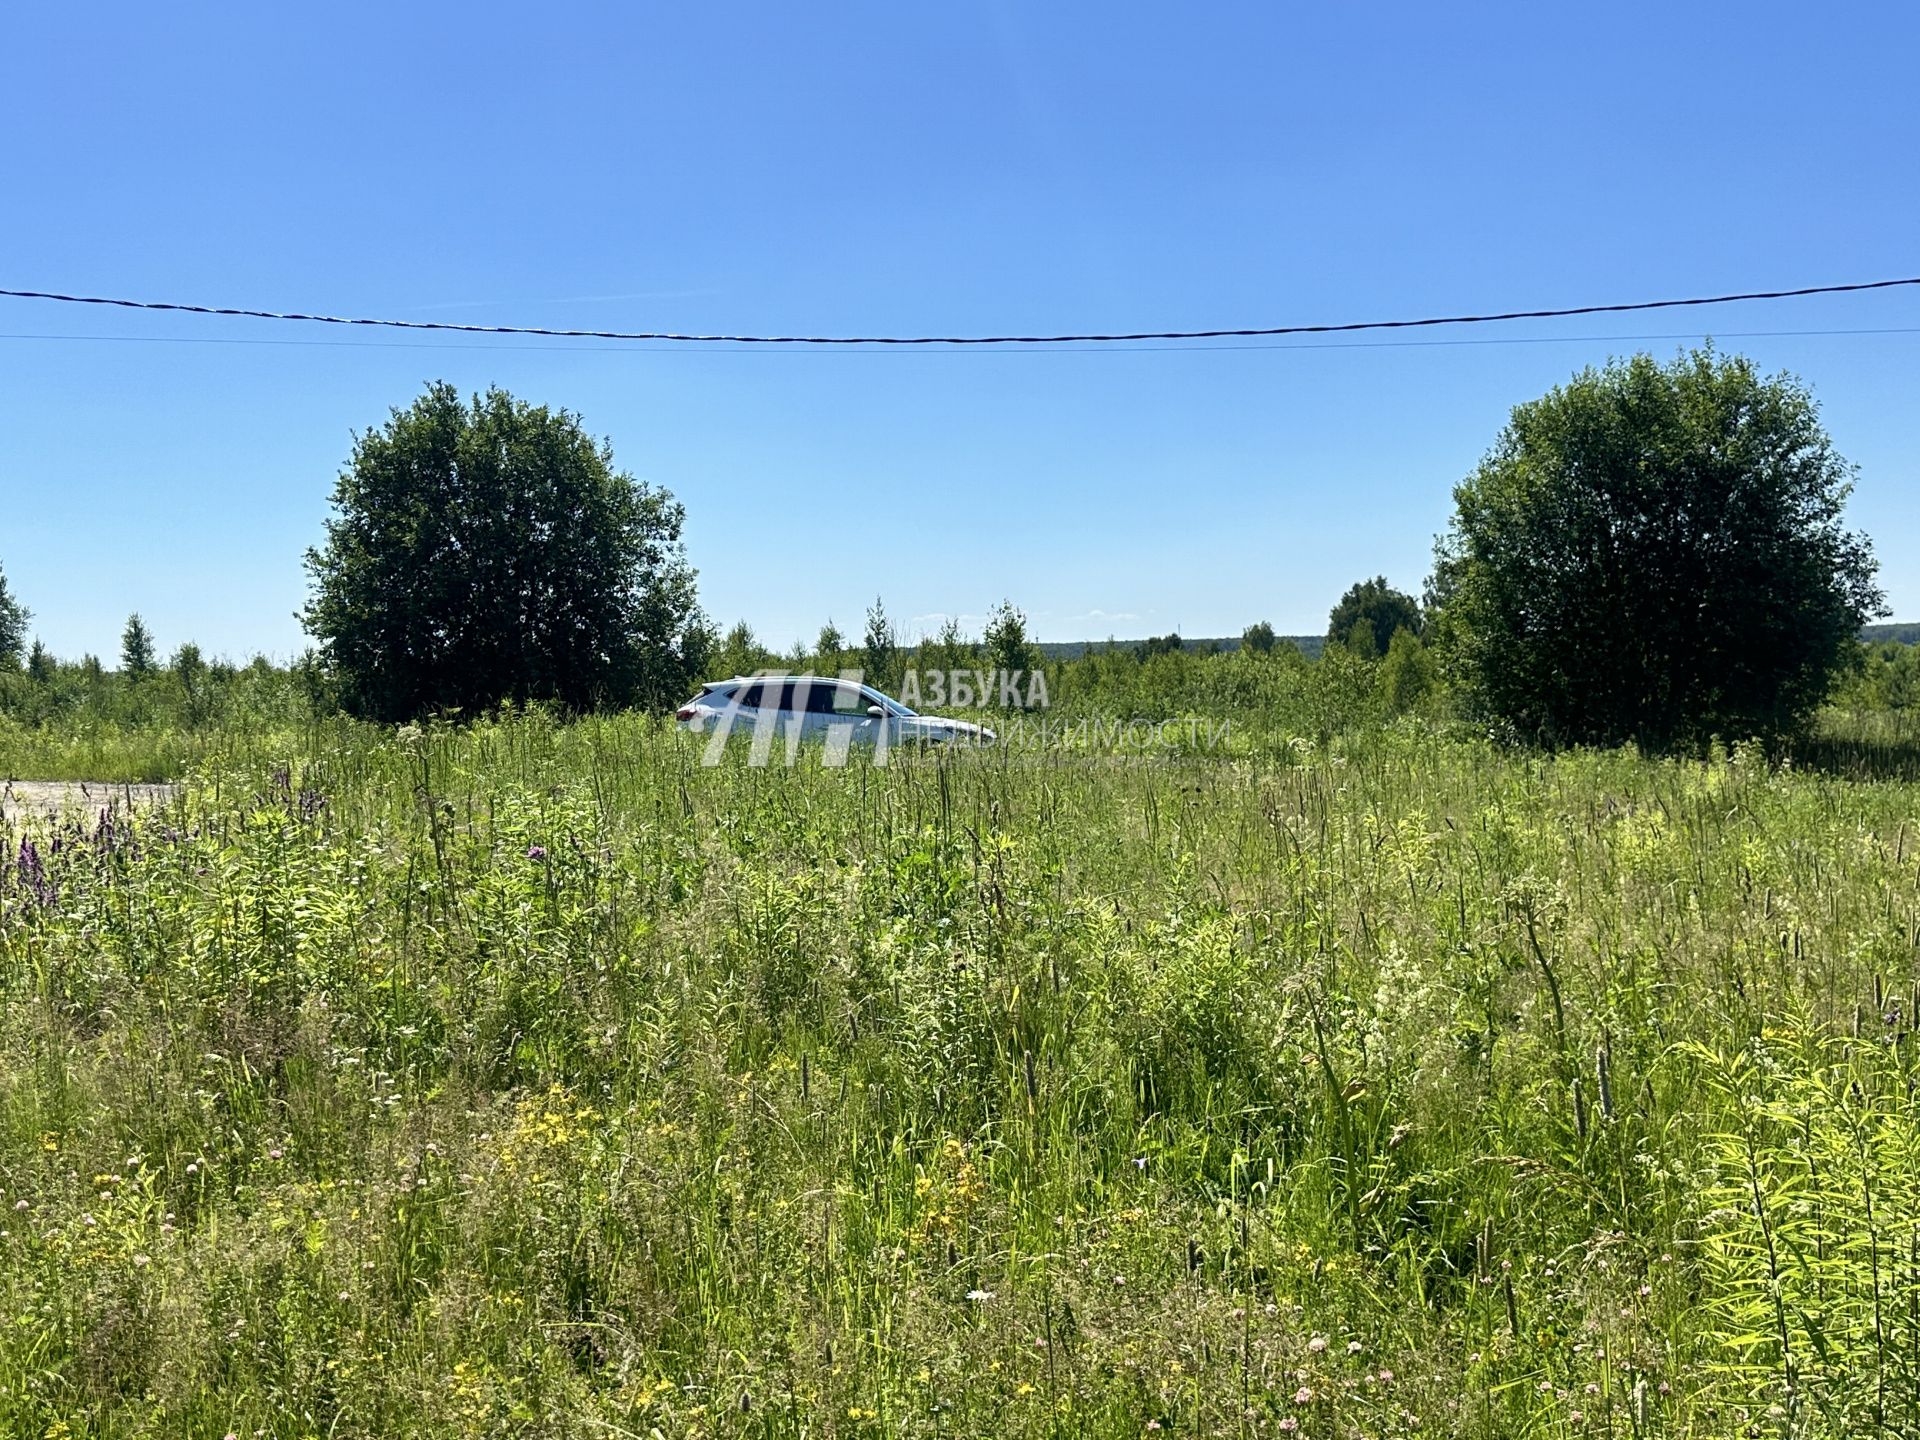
[524, 1078]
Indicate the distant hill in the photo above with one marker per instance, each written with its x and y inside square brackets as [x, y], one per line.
[1897, 632]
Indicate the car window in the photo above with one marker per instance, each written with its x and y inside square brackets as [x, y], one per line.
[827, 697]
[749, 697]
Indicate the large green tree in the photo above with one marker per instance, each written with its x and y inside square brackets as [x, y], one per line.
[1655, 553]
[488, 550]
[1367, 616]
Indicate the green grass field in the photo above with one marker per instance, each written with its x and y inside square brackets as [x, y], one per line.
[532, 1079]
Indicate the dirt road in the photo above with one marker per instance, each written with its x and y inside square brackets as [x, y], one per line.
[42, 797]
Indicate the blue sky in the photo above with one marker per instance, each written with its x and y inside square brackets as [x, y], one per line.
[914, 168]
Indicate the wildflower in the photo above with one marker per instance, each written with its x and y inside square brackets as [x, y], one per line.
[20, 1205]
[193, 1167]
[1289, 1424]
[1385, 1376]
[979, 1297]
[1303, 1396]
[1353, 1347]
[536, 852]
[1317, 1344]
[273, 1154]
[142, 1260]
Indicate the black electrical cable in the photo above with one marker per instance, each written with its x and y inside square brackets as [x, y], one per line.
[1245, 333]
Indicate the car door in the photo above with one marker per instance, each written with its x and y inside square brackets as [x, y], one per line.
[881, 730]
[821, 700]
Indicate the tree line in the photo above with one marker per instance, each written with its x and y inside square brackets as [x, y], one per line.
[1650, 552]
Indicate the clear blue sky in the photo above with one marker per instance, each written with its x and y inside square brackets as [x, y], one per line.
[912, 168]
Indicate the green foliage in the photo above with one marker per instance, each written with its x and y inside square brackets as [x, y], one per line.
[1655, 553]
[1408, 676]
[490, 551]
[740, 653]
[68, 721]
[13, 626]
[136, 649]
[1153, 645]
[948, 649]
[1258, 637]
[880, 649]
[1884, 676]
[1368, 615]
[1811, 1224]
[830, 649]
[1341, 693]
[1005, 645]
[531, 1078]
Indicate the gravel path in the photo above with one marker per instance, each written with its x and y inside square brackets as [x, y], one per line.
[43, 797]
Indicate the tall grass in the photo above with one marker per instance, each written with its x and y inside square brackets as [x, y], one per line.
[532, 1078]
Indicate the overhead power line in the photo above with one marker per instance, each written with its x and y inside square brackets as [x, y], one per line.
[1190, 349]
[1114, 339]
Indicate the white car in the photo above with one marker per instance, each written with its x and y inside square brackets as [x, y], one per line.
[820, 707]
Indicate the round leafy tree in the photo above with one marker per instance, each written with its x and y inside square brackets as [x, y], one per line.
[1368, 615]
[1655, 553]
[487, 551]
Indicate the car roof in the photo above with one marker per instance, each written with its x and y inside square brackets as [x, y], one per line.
[783, 676]
[710, 687]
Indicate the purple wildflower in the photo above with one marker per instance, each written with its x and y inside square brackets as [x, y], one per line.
[32, 873]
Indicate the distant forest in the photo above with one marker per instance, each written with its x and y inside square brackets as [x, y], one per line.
[1892, 633]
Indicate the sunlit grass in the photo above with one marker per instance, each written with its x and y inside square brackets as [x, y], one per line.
[532, 1078]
